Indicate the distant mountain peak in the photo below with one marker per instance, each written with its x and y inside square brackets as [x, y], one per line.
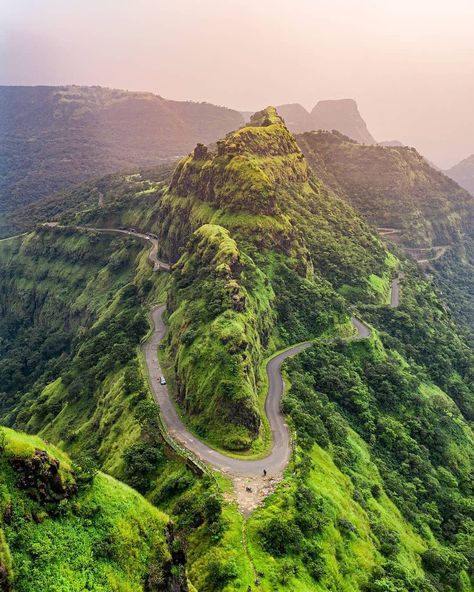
[342, 115]
[463, 173]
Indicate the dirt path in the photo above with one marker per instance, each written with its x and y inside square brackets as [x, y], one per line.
[395, 293]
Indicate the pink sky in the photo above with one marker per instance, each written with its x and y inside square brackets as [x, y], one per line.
[408, 63]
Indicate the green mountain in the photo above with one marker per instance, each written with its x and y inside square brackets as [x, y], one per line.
[378, 495]
[395, 187]
[67, 527]
[264, 230]
[371, 416]
[55, 137]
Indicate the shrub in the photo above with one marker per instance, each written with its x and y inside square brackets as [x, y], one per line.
[281, 537]
[220, 573]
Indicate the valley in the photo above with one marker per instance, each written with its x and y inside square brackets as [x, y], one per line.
[293, 339]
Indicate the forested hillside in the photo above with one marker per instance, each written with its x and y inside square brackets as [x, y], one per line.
[284, 235]
[55, 137]
[114, 200]
[392, 187]
[378, 495]
[397, 188]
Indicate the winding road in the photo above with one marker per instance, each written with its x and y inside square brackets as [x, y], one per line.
[279, 456]
[278, 459]
[418, 253]
[152, 255]
[157, 264]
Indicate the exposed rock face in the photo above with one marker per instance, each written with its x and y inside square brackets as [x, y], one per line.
[232, 179]
[200, 152]
[463, 173]
[341, 115]
[41, 477]
[170, 575]
[5, 585]
[7, 513]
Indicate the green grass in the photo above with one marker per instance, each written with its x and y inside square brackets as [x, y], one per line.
[104, 538]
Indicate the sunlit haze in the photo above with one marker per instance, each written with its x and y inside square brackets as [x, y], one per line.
[408, 63]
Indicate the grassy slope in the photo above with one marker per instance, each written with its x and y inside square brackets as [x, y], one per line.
[113, 421]
[104, 537]
[371, 519]
[77, 284]
[221, 315]
[297, 250]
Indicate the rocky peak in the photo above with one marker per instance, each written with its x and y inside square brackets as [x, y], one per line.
[266, 117]
[249, 167]
[341, 115]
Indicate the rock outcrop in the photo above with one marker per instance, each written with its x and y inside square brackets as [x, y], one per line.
[40, 475]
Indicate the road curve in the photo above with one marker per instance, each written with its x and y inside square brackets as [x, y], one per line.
[279, 456]
[152, 255]
[395, 293]
[158, 265]
[277, 460]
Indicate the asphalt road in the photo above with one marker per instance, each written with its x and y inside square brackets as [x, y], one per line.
[395, 293]
[153, 254]
[279, 457]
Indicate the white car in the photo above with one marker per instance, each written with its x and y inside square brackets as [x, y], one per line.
[162, 380]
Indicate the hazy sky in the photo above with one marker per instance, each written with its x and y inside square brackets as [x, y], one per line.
[408, 63]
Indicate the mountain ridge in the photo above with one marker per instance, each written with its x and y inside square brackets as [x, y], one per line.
[463, 173]
[54, 137]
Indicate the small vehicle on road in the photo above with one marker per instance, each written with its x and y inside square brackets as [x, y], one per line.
[162, 380]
